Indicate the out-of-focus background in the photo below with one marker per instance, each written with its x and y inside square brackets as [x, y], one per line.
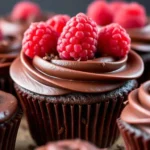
[71, 7]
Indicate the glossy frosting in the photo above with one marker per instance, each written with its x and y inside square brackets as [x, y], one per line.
[137, 112]
[69, 145]
[59, 77]
[8, 106]
[140, 38]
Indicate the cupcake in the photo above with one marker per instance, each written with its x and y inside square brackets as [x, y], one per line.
[12, 28]
[134, 19]
[134, 120]
[69, 145]
[77, 91]
[10, 116]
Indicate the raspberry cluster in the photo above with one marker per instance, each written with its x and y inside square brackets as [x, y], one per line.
[128, 15]
[79, 40]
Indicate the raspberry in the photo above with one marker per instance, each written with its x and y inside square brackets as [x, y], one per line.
[39, 39]
[24, 10]
[58, 22]
[113, 40]
[131, 16]
[100, 12]
[78, 40]
[116, 6]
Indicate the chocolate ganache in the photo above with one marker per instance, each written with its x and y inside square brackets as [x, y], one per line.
[8, 106]
[137, 112]
[59, 77]
[140, 38]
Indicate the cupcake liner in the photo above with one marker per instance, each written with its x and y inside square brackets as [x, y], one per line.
[134, 138]
[51, 120]
[8, 132]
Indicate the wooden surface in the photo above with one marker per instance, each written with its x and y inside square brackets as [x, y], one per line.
[25, 142]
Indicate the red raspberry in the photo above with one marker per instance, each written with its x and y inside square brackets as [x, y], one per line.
[39, 39]
[100, 12]
[116, 6]
[131, 16]
[113, 40]
[58, 22]
[78, 40]
[24, 10]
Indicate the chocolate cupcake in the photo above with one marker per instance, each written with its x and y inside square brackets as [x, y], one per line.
[12, 27]
[69, 145]
[10, 116]
[134, 121]
[80, 98]
[10, 45]
[140, 43]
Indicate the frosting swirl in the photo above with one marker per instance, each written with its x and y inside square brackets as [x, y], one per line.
[140, 38]
[69, 145]
[8, 106]
[62, 76]
[137, 112]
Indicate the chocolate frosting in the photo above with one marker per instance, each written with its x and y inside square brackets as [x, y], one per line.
[59, 77]
[140, 38]
[69, 145]
[8, 106]
[137, 112]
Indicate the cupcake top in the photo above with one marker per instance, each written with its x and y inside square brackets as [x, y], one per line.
[85, 61]
[137, 111]
[69, 145]
[8, 106]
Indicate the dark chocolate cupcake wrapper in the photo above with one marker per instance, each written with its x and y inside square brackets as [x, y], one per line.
[51, 120]
[8, 132]
[134, 138]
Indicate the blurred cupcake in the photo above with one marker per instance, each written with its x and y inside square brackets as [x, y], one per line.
[69, 145]
[89, 75]
[135, 119]
[12, 28]
[10, 116]
[134, 19]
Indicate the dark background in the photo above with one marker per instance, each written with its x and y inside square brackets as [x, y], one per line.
[60, 6]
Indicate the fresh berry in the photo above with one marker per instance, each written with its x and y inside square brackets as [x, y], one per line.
[100, 12]
[58, 22]
[113, 40]
[131, 16]
[78, 40]
[24, 10]
[39, 39]
[115, 6]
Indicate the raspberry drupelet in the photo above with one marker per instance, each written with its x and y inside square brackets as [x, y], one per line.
[39, 39]
[58, 22]
[78, 41]
[113, 40]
